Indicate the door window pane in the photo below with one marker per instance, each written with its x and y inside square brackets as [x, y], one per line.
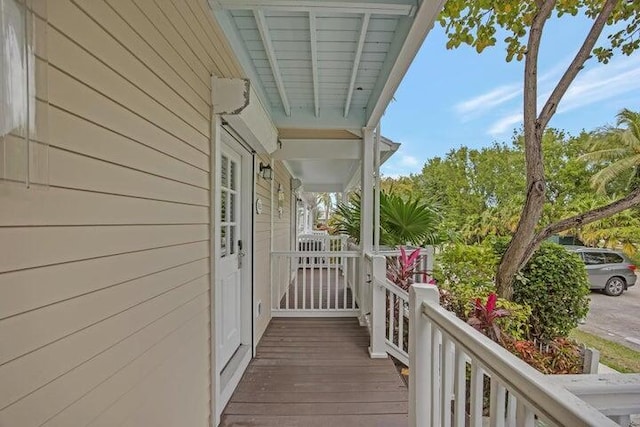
[223, 241]
[232, 174]
[232, 240]
[224, 171]
[223, 206]
[232, 207]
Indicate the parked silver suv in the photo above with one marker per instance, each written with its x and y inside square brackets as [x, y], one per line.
[610, 271]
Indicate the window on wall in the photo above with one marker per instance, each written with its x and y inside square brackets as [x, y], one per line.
[24, 151]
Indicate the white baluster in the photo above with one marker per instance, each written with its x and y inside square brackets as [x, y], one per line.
[476, 398]
[436, 379]
[460, 388]
[524, 416]
[497, 404]
[446, 379]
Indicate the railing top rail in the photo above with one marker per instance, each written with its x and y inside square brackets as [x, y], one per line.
[393, 288]
[311, 254]
[552, 402]
[322, 236]
[396, 252]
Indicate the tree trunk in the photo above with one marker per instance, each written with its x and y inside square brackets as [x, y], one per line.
[525, 240]
[532, 210]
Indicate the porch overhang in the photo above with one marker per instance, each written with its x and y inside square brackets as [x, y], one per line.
[325, 71]
[327, 165]
[326, 64]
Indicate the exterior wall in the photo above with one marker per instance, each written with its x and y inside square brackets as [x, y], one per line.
[104, 276]
[272, 232]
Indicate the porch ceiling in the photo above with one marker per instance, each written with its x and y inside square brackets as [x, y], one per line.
[327, 165]
[325, 63]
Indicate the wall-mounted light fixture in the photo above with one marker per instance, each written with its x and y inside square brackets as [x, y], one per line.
[266, 172]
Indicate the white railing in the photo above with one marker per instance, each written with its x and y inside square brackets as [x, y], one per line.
[458, 377]
[322, 242]
[615, 395]
[389, 332]
[396, 320]
[313, 283]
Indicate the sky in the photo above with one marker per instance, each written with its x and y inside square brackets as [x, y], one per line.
[451, 98]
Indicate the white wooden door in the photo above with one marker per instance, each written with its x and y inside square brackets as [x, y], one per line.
[231, 253]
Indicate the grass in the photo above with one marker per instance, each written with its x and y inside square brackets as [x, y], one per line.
[612, 354]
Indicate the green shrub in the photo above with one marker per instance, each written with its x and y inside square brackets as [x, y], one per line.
[465, 264]
[554, 284]
[499, 244]
[559, 356]
[459, 298]
[516, 324]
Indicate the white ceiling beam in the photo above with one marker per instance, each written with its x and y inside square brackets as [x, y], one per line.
[263, 28]
[331, 118]
[308, 149]
[377, 7]
[314, 61]
[356, 61]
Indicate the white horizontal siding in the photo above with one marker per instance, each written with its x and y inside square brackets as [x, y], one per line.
[104, 276]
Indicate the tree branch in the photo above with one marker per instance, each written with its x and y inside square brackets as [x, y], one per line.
[576, 65]
[531, 73]
[583, 219]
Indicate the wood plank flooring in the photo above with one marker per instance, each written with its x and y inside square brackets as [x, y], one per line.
[317, 372]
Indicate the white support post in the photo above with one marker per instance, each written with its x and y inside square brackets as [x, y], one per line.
[377, 348]
[430, 254]
[420, 355]
[376, 200]
[366, 212]
[366, 208]
[365, 280]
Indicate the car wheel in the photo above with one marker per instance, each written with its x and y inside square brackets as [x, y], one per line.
[614, 286]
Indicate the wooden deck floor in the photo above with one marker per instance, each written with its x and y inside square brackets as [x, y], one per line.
[317, 372]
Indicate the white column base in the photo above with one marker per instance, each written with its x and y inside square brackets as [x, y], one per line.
[362, 320]
[374, 355]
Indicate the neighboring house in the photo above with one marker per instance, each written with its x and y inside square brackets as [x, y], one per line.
[134, 273]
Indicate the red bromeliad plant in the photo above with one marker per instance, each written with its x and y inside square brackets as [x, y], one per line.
[403, 269]
[484, 316]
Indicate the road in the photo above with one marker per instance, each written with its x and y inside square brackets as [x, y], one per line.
[616, 318]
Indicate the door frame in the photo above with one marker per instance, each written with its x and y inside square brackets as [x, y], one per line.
[226, 378]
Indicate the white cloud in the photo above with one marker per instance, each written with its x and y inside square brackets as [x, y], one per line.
[488, 100]
[602, 82]
[410, 161]
[505, 124]
[597, 84]
[394, 175]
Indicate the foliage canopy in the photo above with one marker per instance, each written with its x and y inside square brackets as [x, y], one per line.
[476, 24]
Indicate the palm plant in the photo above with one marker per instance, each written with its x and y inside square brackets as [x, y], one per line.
[346, 217]
[325, 198]
[402, 221]
[618, 150]
[407, 221]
